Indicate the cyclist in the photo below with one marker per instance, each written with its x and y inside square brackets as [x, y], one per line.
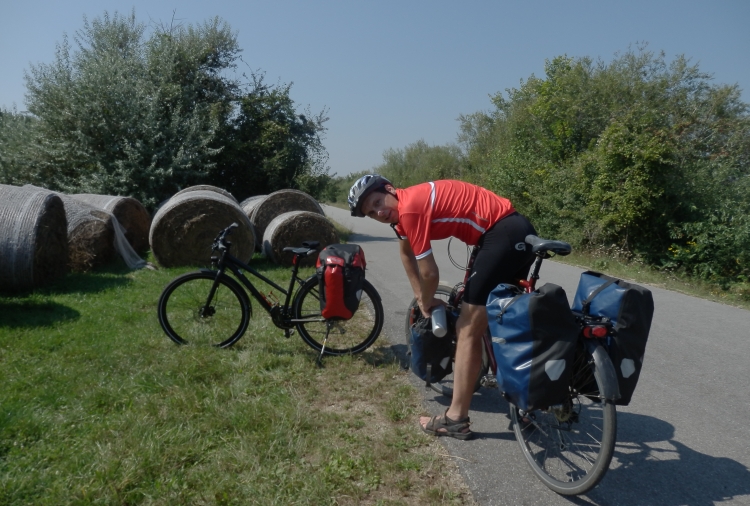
[478, 217]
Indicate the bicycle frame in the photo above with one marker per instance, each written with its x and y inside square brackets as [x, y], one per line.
[279, 313]
[528, 286]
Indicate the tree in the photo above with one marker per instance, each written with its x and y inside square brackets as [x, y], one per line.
[17, 132]
[131, 111]
[266, 145]
[639, 154]
[419, 162]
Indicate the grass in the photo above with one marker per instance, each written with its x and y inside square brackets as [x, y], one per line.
[736, 295]
[99, 406]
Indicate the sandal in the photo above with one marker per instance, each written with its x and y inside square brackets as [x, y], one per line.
[441, 425]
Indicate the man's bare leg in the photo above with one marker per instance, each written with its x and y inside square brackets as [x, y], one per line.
[470, 327]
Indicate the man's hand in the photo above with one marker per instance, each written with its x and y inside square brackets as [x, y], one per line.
[427, 308]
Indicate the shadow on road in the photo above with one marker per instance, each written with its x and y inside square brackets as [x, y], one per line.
[650, 464]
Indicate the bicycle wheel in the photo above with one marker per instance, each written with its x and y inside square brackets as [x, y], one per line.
[445, 385]
[188, 317]
[344, 336]
[570, 446]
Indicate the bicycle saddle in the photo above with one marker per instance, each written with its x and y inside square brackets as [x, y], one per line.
[307, 248]
[543, 245]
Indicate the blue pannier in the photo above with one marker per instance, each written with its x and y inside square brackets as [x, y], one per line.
[630, 308]
[534, 339]
[431, 355]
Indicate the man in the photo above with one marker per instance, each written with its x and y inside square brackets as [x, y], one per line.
[437, 210]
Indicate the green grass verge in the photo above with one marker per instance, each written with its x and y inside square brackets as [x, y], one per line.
[99, 406]
[737, 294]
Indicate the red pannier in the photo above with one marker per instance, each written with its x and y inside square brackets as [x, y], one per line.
[341, 274]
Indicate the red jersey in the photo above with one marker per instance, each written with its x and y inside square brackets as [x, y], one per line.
[447, 208]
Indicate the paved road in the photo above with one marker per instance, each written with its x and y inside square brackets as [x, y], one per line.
[684, 438]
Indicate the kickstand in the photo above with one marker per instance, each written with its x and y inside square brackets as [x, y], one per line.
[329, 324]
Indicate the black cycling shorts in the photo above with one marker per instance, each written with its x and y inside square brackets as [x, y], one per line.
[504, 257]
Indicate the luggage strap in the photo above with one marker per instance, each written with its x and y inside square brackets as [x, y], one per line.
[590, 298]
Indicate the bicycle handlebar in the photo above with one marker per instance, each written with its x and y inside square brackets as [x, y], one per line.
[220, 242]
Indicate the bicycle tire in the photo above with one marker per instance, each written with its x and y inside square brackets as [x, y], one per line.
[444, 386]
[187, 319]
[345, 336]
[557, 442]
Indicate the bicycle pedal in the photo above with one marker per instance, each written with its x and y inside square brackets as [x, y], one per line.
[288, 333]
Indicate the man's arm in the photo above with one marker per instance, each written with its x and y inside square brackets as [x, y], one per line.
[423, 275]
[410, 266]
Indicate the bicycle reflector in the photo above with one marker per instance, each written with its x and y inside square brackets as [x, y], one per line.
[594, 331]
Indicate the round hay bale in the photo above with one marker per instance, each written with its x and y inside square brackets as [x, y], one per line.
[33, 238]
[281, 202]
[252, 199]
[184, 228]
[292, 229]
[248, 206]
[206, 187]
[131, 214]
[91, 234]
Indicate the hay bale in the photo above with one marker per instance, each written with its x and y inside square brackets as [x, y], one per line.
[131, 214]
[184, 228]
[206, 187]
[292, 229]
[91, 234]
[33, 238]
[278, 203]
[252, 199]
[248, 206]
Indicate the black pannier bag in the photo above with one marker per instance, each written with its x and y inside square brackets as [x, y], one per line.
[534, 340]
[341, 275]
[630, 308]
[431, 355]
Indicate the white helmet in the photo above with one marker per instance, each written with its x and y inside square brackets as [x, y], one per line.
[362, 188]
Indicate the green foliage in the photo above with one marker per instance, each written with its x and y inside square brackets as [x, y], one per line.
[267, 146]
[146, 112]
[638, 154]
[420, 162]
[17, 132]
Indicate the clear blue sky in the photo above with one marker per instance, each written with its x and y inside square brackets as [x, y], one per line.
[393, 72]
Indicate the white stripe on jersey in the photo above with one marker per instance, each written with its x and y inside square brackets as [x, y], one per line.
[461, 220]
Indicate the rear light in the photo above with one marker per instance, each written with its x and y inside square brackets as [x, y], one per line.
[595, 331]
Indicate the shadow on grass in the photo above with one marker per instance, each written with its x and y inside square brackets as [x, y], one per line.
[32, 313]
[106, 277]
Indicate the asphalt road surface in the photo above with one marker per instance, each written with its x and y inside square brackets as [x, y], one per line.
[683, 440]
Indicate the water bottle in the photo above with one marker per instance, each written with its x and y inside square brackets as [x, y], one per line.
[439, 321]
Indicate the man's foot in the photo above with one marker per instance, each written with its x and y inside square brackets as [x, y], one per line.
[441, 425]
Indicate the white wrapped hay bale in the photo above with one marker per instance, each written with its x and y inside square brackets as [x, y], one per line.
[91, 234]
[248, 201]
[277, 203]
[292, 229]
[248, 206]
[33, 238]
[130, 213]
[206, 187]
[184, 228]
